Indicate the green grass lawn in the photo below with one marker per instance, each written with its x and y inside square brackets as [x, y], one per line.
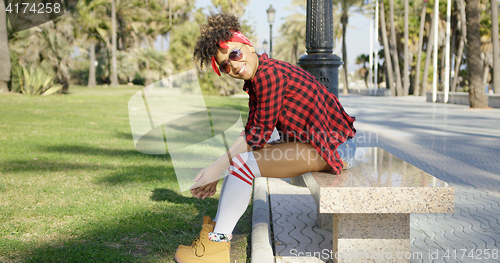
[73, 188]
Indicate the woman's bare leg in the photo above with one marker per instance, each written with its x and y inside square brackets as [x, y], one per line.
[289, 159]
[281, 160]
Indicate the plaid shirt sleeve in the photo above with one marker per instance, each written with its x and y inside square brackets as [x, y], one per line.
[265, 107]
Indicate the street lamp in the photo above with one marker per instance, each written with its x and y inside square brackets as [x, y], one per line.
[320, 60]
[270, 18]
[264, 45]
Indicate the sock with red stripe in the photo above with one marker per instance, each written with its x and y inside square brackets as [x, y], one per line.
[236, 192]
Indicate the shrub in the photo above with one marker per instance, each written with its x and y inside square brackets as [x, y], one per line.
[36, 82]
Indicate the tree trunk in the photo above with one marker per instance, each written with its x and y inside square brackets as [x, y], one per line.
[344, 21]
[441, 71]
[387, 56]
[496, 47]
[114, 74]
[458, 62]
[416, 89]
[430, 45]
[92, 82]
[4, 54]
[394, 50]
[486, 73]
[477, 94]
[406, 69]
[453, 51]
[149, 75]
[461, 45]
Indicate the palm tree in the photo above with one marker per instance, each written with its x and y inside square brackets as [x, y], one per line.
[92, 30]
[57, 39]
[406, 69]
[461, 45]
[363, 59]
[153, 60]
[430, 46]
[182, 43]
[416, 85]
[487, 57]
[291, 44]
[477, 95]
[394, 49]
[387, 55]
[4, 47]
[231, 6]
[346, 5]
[496, 46]
[114, 73]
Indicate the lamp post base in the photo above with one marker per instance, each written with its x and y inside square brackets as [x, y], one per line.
[324, 67]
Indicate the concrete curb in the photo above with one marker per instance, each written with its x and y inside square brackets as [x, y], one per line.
[262, 251]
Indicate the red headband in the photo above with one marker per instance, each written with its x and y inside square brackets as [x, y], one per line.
[237, 37]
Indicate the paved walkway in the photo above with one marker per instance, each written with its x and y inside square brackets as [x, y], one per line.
[452, 142]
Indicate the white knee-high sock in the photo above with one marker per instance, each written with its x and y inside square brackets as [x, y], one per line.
[237, 190]
[222, 191]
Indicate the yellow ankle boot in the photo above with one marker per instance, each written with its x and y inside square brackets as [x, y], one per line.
[206, 220]
[203, 250]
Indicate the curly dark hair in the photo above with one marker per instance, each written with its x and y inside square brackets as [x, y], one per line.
[217, 29]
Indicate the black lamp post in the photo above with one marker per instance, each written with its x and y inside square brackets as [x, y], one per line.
[320, 60]
[270, 18]
[264, 45]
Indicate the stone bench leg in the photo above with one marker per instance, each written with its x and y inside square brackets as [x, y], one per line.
[371, 237]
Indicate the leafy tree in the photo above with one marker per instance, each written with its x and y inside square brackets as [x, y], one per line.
[231, 6]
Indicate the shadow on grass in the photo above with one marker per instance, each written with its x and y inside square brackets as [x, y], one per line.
[146, 235]
[139, 174]
[104, 174]
[86, 150]
[18, 166]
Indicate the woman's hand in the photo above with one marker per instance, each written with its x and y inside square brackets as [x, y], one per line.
[206, 182]
[205, 190]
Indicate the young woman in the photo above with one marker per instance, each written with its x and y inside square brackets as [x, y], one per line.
[315, 132]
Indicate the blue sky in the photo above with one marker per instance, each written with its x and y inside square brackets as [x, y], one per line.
[357, 37]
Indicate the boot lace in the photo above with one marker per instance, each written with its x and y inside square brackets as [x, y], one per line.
[198, 245]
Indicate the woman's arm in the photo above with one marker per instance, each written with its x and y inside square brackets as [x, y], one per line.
[207, 178]
[223, 162]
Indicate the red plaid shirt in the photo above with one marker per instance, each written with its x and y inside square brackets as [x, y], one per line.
[292, 100]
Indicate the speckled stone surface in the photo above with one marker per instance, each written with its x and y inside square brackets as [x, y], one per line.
[370, 237]
[368, 207]
[379, 182]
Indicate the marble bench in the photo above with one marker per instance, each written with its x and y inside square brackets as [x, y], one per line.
[368, 207]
